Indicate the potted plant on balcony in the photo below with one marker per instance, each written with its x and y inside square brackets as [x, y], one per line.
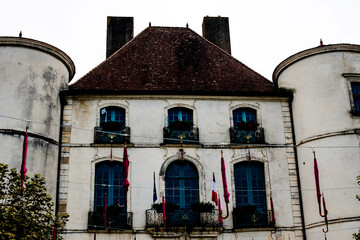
[247, 126]
[180, 125]
[169, 207]
[202, 207]
[111, 126]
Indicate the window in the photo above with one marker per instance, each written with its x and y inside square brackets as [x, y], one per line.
[112, 127]
[180, 127]
[243, 115]
[250, 184]
[180, 114]
[108, 178]
[355, 87]
[182, 184]
[112, 114]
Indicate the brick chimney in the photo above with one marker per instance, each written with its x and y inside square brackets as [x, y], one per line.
[216, 30]
[120, 30]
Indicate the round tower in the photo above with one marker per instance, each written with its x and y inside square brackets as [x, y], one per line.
[325, 82]
[31, 75]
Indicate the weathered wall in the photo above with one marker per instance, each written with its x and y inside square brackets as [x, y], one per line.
[322, 119]
[146, 115]
[31, 76]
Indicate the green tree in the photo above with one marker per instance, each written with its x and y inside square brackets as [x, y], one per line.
[29, 215]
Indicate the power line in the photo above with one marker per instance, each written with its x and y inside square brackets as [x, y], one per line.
[174, 139]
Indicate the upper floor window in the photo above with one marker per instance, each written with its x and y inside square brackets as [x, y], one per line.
[245, 127]
[180, 127]
[112, 115]
[112, 126]
[244, 115]
[182, 184]
[355, 87]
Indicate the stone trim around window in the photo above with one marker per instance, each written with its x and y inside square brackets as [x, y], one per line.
[352, 78]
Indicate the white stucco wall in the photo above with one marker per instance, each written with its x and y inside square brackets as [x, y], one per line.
[147, 117]
[31, 76]
[322, 119]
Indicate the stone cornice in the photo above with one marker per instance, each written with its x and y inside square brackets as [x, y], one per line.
[40, 46]
[311, 52]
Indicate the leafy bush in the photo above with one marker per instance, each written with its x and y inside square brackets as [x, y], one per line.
[169, 207]
[29, 215]
[180, 125]
[202, 207]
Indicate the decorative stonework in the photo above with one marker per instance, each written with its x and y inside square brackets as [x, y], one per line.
[293, 178]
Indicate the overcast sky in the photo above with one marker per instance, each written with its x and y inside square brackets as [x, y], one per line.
[263, 32]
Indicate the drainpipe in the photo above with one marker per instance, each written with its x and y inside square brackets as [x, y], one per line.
[62, 103]
[297, 168]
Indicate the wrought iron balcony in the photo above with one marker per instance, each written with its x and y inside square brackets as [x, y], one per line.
[247, 136]
[259, 218]
[182, 218]
[113, 137]
[181, 136]
[115, 221]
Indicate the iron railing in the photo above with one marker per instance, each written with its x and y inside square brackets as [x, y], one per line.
[247, 136]
[113, 137]
[178, 136]
[260, 218]
[182, 218]
[117, 221]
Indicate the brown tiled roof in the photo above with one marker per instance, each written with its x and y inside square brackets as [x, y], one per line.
[172, 61]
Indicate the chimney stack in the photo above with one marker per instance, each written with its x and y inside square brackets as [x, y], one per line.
[216, 30]
[120, 30]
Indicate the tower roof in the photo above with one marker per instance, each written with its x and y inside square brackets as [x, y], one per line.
[164, 60]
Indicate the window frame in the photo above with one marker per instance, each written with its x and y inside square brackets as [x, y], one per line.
[245, 105]
[352, 78]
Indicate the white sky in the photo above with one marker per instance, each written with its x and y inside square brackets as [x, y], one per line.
[263, 32]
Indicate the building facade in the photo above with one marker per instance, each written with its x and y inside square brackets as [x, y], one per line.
[178, 103]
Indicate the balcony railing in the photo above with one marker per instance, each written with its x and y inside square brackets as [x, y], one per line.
[252, 220]
[113, 137]
[178, 136]
[117, 221]
[247, 136]
[182, 218]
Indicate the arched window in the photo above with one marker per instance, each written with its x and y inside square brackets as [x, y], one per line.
[112, 114]
[250, 185]
[108, 178]
[182, 184]
[243, 115]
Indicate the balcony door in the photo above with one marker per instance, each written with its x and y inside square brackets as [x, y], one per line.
[108, 178]
[182, 184]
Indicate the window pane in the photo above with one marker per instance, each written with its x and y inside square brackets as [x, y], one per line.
[114, 114]
[250, 184]
[181, 114]
[244, 115]
[182, 184]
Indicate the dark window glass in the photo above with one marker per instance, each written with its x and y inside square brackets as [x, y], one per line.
[112, 114]
[182, 184]
[250, 184]
[355, 87]
[180, 114]
[108, 178]
[244, 115]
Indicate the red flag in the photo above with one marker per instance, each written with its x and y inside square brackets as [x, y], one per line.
[54, 232]
[223, 174]
[125, 182]
[213, 193]
[23, 169]
[163, 209]
[111, 154]
[95, 235]
[105, 208]
[220, 212]
[273, 219]
[317, 181]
